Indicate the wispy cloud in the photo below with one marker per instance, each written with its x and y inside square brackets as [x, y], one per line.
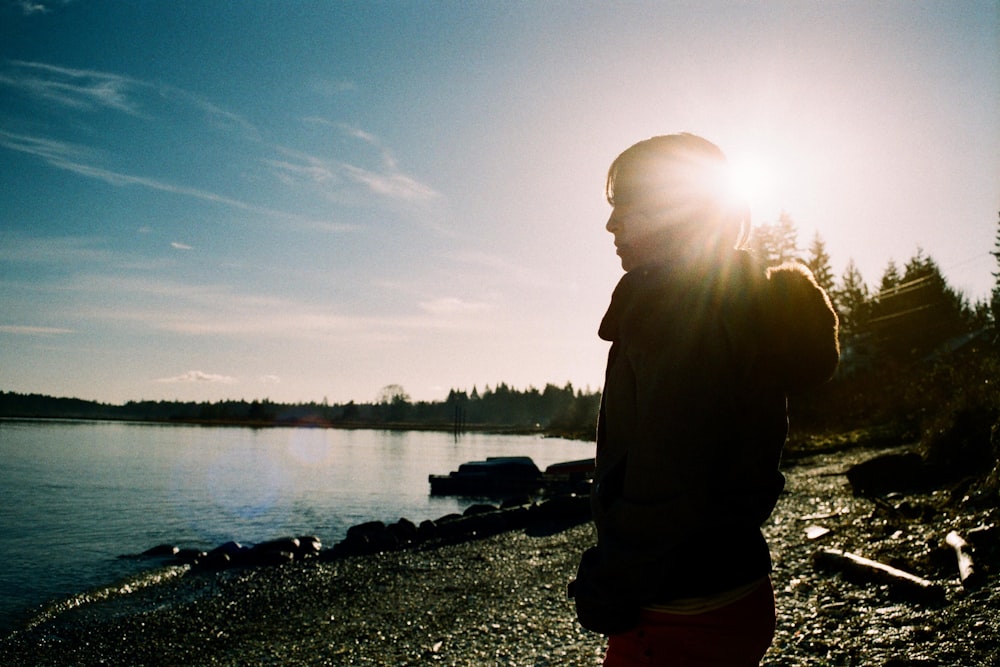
[217, 116]
[198, 376]
[388, 180]
[332, 87]
[74, 158]
[358, 133]
[346, 129]
[391, 184]
[330, 227]
[453, 306]
[81, 160]
[92, 90]
[388, 183]
[301, 166]
[221, 311]
[180, 246]
[30, 8]
[118, 178]
[75, 88]
[33, 331]
[502, 266]
[19, 248]
[84, 90]
[385, 179]
[50, 150]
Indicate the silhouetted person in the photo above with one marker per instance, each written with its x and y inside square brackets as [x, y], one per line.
[705, 345]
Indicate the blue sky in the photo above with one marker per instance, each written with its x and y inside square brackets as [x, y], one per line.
[309, 200]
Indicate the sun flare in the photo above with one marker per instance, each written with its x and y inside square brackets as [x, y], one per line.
[754, 180]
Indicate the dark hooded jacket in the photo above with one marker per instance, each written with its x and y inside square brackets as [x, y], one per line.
[692, 422]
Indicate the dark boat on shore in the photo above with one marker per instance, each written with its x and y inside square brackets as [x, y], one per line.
[497, 475]
[509, 475]
[570, 476]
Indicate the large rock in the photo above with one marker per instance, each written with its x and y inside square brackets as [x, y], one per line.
[888, 473]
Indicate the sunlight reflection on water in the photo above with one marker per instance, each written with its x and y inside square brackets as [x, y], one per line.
[78, 494]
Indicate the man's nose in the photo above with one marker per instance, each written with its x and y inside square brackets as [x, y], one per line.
[613, 223]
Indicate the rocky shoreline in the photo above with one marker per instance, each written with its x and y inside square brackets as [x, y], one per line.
[500, 599]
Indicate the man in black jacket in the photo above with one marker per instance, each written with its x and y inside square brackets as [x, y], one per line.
[705, 346]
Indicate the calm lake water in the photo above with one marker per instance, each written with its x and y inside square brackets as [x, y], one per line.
[76, 495]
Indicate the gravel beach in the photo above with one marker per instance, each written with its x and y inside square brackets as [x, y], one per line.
[502, 600]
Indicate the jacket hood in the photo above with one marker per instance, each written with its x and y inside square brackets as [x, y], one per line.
[800, 327]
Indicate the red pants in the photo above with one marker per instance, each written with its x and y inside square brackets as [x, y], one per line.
[736, 635]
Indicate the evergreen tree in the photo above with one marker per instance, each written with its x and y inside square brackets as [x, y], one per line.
[455, 396]
[819, 263]
[915, 313]
[995, 294]
[852, 300]
[787, 239]
[762, 244]
[890, 279]
[776, 243]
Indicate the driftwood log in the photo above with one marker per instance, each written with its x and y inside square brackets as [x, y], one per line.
[864, 570]
[970, 577]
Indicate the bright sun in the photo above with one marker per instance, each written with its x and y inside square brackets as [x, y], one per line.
[754, 180]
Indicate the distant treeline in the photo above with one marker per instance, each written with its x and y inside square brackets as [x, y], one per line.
[909, 395]
[554, 410]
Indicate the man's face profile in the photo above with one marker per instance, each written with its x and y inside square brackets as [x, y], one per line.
[639, 221]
